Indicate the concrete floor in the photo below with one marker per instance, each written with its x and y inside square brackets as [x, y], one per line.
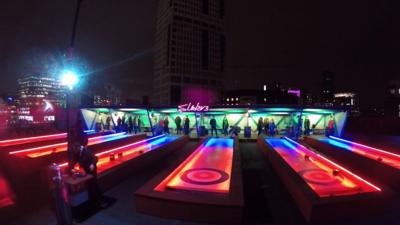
[266, 199]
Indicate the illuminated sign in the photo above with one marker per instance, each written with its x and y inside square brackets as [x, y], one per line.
[295, 92]
[193, 108]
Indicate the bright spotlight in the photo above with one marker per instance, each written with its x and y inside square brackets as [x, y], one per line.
[69, 79]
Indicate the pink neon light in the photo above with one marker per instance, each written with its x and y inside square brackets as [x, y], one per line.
[117, 149]
[296, 92]
[31, 139]
[193, 108]
[63, 145]
[385, 157]
[128, 145]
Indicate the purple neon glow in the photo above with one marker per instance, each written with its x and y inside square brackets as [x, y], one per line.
[203, 96]
[296, 92]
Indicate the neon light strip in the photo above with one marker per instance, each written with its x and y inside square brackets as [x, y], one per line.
[128, 145]
[89, 131]
[335, 164]
[8, 142]
[119, 148]
[61, 144]
[365, 146]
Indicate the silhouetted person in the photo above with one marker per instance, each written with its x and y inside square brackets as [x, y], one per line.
[87, 161]
[108, 123]
[178, 123]
[260, 125]
[186, 125]
[139, 123]
[272, 127]
[225, 126]
[135, 124]
[213, 124]
[119, 124]
[266, 125]
[307, 126]
[166, 125]
[130, 125]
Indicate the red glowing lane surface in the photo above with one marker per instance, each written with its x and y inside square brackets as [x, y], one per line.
[61, 147]
[385, 157]
[18, 141]
[324, 176]
[129, 152]
[207, 169]
[6, 194]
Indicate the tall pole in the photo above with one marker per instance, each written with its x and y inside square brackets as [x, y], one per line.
[68, 95]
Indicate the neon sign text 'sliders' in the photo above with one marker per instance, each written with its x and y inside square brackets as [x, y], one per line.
[193, 108]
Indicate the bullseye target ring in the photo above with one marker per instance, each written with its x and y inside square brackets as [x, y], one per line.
[320, 177]
[204, 176]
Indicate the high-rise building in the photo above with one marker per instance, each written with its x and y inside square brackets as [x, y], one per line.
[328, 88]
[190, 51]
[44, 87]
[37, 98]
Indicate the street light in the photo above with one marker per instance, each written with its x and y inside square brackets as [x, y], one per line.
[69, 79]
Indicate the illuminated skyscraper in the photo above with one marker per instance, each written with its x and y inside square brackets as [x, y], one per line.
[44, 87]
[190, 51]
[328, 88]
[37, 98]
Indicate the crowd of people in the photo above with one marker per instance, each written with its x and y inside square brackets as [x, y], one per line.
[266, 126]
[161, 126]
[130, 125]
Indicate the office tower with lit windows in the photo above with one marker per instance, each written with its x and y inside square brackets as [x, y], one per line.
[44, 87]
[190, 52]
[37, 98]
[328, 88]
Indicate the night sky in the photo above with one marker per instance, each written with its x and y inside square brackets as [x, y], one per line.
[291, 42]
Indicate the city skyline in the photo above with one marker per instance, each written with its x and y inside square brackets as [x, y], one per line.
[355, 41]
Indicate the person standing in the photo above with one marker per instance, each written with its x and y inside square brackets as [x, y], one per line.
[266, 125]
[166, 125]
[213, 124]
[225, 126]
[108, 123]
[139, 124]
[135, 126]
[130, 124]
[119, 124]
[88, 162]
[307, 126]
[272, 128]
[186, 125]
[124, 126]
[260, 126]
[178, 122]
[331, 127]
